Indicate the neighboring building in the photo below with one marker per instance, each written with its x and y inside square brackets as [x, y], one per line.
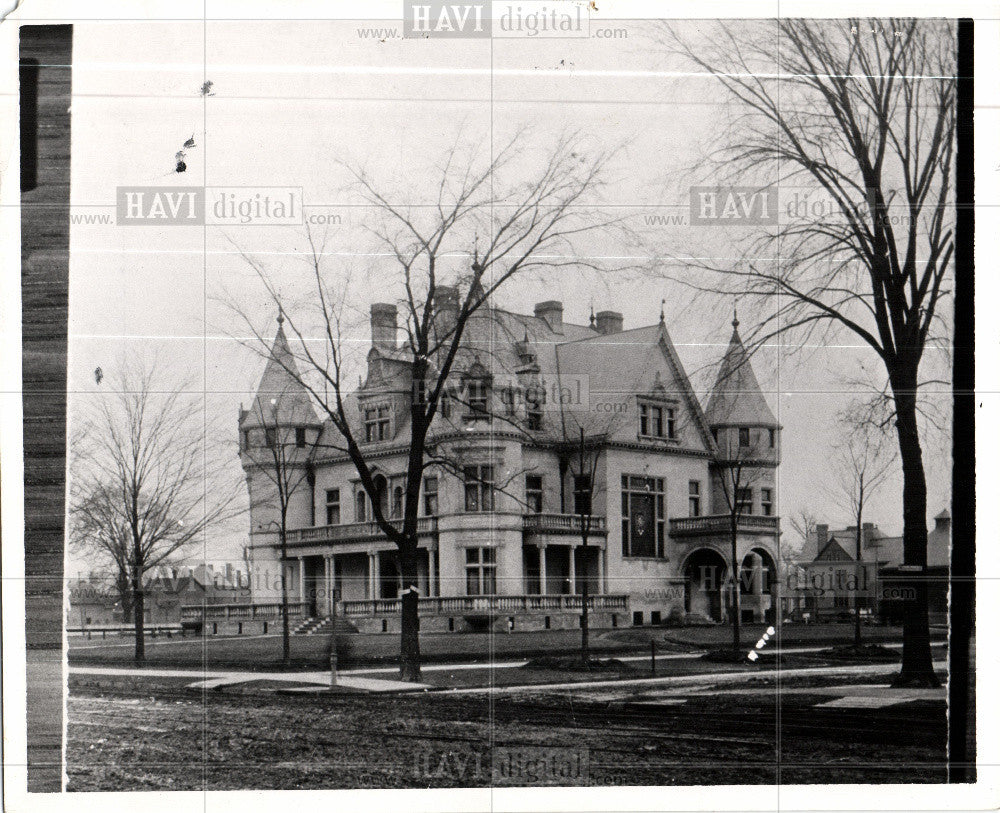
[830, 579]
[500, 525]
[95, 602]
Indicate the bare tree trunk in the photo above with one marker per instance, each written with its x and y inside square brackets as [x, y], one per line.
[409, 634]
[857, 592]
[138, 615]
[736, 586]
[918, 669]
[286, 640]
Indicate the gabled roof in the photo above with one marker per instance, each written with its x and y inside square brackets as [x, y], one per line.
[833, 552]
[737, 399]
[280, 390]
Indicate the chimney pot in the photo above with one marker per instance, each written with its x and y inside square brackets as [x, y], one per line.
[552, 312]
[609, 322]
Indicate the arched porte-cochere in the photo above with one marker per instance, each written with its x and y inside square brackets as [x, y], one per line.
[705, 576]
[758, 576]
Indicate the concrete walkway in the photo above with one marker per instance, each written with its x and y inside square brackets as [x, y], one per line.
[215, 679]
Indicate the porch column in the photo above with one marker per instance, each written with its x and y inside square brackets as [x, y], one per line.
[572, 569]
[543, 582]
[330, 579]
[373, 575]
[302, 580]
[600, 571]
[432, 572]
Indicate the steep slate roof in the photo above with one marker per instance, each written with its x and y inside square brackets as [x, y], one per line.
[737, 398]
[619, 364]
[293, 402]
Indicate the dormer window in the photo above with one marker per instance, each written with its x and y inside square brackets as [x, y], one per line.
[376, 423]
[477, 400]
[534, 399]
[300, 437]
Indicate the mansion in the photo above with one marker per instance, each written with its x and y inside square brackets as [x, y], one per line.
[500, 542]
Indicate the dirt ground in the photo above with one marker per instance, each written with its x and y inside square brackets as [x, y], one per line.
[158, 736]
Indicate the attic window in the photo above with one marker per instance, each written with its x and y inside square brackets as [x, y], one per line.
[656, 421]
[477, 399]
[376, 423]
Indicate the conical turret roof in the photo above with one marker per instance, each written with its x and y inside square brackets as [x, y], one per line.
[737, 399]
[280, 391]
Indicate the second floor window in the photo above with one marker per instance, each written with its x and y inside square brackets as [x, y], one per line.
[397, 501]
[376, 423]
[766, 502]
[430, 496]
[300, 437]
[582, 502]
[360, 504]
[271, 437]
[744, 501]
[694, 498]
[744, 437]
[478, 488]
[333, 506]
[533, 493]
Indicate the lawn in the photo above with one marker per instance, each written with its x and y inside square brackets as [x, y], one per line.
[311, 652]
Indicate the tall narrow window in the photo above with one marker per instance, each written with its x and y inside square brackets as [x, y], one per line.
[534, 398]
[300, 437]
[333, 506]
[480, 571]
[476, 395]
[360, 506]
[271, 437]
[766, 502]
[582, 502]
[671, 424]
[643, 520]
[397, 501]
[744, 501]
[745, 437]
[694, 498]
[770, 438]
[533, 493]
[430, 496]
[478, 488]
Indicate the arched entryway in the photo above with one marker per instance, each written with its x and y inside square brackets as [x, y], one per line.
[758, 575]
[704, 584]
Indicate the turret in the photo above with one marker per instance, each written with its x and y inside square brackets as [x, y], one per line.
[743, 426]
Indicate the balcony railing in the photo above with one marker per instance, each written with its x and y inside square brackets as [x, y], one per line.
[241, 612]
[720, 524]
[563, 524]
[354, 532]
[473, 605]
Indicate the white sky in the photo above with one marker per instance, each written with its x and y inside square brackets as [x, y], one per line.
[291, 98]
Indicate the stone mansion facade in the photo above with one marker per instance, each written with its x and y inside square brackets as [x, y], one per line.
[500, 542]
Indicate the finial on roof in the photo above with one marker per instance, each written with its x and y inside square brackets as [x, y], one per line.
[525, 340]
[281, 316]
[736, 321]
[663, 303]
[593, 319]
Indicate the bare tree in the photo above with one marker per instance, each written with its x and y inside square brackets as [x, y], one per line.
[501, 228]
[861, 112]
[737, 468]
[804, 525]
[863, 464]
[139, 495]
[281, 451]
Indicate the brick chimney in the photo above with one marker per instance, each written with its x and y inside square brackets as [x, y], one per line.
[822, 537]
[609, 322]
[383, 326]
[552, 312]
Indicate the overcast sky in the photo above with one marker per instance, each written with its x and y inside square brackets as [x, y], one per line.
[290, 99]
